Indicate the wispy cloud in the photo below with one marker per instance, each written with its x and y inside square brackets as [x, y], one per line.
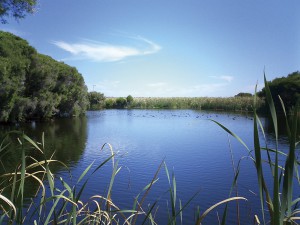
[105, 52]
[225, 78]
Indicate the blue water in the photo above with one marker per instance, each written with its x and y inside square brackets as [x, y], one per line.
[193, 147]
[200, 154]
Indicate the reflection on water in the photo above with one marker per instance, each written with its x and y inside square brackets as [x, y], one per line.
[282, 129]
[195, 148]
[65, 139]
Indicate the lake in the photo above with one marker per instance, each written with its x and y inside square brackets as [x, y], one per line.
[198, 151]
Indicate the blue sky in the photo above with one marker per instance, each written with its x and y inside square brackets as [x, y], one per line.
[151, 48]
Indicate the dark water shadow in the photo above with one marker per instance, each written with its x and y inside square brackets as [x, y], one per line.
[65, 141]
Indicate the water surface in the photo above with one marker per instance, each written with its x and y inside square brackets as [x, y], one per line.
[200, 154]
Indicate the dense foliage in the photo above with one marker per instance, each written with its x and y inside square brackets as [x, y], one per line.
[288, 88]
[35, 85]
[243, 94]
[17, 9]
[96, 100]
[129, 99]
[119, 103]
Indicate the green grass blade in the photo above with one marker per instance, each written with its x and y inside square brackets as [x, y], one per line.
[58, 198]
[149, 213]
[287, 192]
[22, 185]
[276, 217]
[103, 163]
[115, 171]
[167, 173]
[148, 189]
[84, 172]
[184, 206]
[258, 165]
[285, 116]
[232, 134]
[216, 205]
[258, 160]
[174, 189]
[13, 190]
[224, 215]
[80, 191]
[50, 178]
[67, 187]
[180, 211]
[32, 142]
[267, 149]
[272, 108]
[148, 185]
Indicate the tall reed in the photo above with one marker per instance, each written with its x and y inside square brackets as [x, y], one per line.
[56, 201]
[276, 201]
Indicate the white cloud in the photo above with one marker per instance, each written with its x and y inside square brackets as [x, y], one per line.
[226, 78]
[98, 51]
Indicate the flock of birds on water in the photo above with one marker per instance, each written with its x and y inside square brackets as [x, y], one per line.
[169, 114]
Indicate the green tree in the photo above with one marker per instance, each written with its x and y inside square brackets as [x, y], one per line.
[35, 86]
[15, 61]
[129, 99]
[243, 94]
[110, 103]
[72, 90]
[288, 88]
[16, 8]
[121, 103]
[96, 100]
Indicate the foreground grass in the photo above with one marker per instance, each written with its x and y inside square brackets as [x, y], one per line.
[276, 199]
[56, 201]
[59, 202]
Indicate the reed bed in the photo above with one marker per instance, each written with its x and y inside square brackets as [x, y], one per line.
[204, 103]
[56, 201]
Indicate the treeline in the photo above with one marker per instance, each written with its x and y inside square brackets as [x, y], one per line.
[35, 86]
[288, 88]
